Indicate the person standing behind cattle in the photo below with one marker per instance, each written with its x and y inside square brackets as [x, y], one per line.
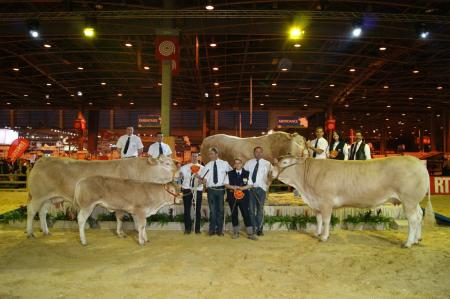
[129, 145]
[215, 173]
[259, 169]
[359, 149]
[338, 149]
[189, 177]
[159, 148]
[318, 146]
[237, 185]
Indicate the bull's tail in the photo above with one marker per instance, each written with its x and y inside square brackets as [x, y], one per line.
[430, 220]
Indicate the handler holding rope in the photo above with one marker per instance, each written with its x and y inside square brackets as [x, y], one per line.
[192, 193]
[238, 197]
[259, 178]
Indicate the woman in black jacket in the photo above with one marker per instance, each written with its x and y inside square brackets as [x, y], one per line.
[338, 149]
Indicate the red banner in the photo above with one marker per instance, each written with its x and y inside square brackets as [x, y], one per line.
[17, 148]
[440, 185]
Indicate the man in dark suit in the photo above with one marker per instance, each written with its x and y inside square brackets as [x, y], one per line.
[237, 180]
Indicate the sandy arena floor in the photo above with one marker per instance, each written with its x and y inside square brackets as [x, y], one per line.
[279, 265]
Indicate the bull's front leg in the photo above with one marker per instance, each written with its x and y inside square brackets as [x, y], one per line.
[319, 224]
[141, 221]
[119, 218]
[326, 215]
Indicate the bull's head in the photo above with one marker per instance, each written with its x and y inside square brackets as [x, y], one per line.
[283, 163]
[298, 145]
[167, 165]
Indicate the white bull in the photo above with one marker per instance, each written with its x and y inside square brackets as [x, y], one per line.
[53, 180]
[328, 184]
[141, 199]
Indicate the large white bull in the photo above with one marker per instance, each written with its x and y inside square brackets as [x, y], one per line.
[274, 145]
[52, 180]
[328, 184]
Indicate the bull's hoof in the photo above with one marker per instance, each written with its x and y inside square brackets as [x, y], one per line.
[322, 239]
[317, 235]
[47, 234]
[122, 235]
[406, 245]
[31, 236]
[84, 244]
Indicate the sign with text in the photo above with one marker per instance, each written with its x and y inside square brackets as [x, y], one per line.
[149, 121]
[288, 121]
[440, 185]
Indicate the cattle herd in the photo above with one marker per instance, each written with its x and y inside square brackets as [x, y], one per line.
[141, 186]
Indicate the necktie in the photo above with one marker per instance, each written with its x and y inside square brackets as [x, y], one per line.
[255, 171]
[352, 155]
[160, 149]
[215, 176]
[317, 142]
[127, 145]
[192, 181]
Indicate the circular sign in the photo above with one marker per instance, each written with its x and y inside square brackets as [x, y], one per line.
[166, 48]
[195, 168]
[238, 194]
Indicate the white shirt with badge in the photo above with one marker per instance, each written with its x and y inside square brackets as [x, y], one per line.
[222, 169]
[153, 150]
[262, 175]
[133, 148]
[322, 144]
[188, 176]
[366, 150]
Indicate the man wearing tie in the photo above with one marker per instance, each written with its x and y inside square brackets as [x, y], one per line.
[238, 179]
[359, 150]
[187, 187]
[318, 147]
[159, 148]
[259, 169]
[129, 145]
[214, 174]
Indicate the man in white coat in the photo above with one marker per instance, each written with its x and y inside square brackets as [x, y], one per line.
[129, 145]
[318, 147]
[159, 148]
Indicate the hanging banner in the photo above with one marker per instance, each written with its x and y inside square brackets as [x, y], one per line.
[440, 185]
[330, 125]
[288, 121]
[167, 47]
[149, 121]
[17, 148]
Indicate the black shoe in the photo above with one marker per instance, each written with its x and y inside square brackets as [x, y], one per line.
[220, 234]
[211, 233]
[187, 232]
[197, 232]
[260, 233]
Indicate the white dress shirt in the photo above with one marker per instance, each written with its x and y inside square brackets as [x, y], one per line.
[366, 150]
[222, 168]
[262, 175]
[133, 147]
[187, 176]
[323, 145]
[153, 150]
[345, 150]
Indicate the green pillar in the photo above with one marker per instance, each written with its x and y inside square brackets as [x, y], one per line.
[166, 94]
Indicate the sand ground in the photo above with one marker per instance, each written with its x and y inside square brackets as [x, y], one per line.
[172, 265]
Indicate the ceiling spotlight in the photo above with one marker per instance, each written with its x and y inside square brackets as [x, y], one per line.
[215, 68]
[48, 103]
[331, 85]
[388, 106]
[346, 105]
[352, 70]
[25, 95]
[206, 95]
[49, 84]
[297, 45]
[119, 94]
[266, 95]
[146, 67]
[16, 69]
[8, 103]
[429, 107]
[213, 45]
[216, 83]
[90, 103]
[386, 86]
[284, 69]
[217, 104]
[410, 98]
[382, 48]
[217, 95]
[261, 104]
[357, 28]
[79, 93]
[209, 6]
[131, 103]
[415, 71]
[128, 44]
[80, 68]
[33, 28]
[159, 84]
[175, 104]
[422, 31]
[295, 32]
[47, 96]
[317, 96]
[47, 45]
[103, 83]
[274, 84]
[305, 105]
[89, 27]
[439, 87]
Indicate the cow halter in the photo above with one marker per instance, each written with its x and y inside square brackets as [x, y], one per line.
[284, 168]
[175, 195]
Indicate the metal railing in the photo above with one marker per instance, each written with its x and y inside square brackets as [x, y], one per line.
[13, 182]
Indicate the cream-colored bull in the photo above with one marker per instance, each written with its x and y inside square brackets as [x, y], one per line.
[141, 199]
[53, 180]
[274, 145]
[328, 184]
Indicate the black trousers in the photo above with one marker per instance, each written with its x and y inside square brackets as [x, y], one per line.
[187, 202]
[242, 205]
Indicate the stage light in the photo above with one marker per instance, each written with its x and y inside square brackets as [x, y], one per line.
[48, 103]
[79, 93]
[295, 32]
[90, 103]
[423, 31]
[215, 68]
[388, 106]
[429, 107]
[127, 44]
[217, 104]
[352, 70]
[89, 27]
[331, 85]
[103, 83]
[25, 95]
[119, 94]
[146, 68]
[33, 28]
[131, 103]
[410, 98]
[284, 69]
[305, 105]
[297, 45]
[356, 32]
[8, 103]
[382, 48]
[49, 84]
[209, 6]
[16, 69]
[80, 68]
[216, 83]
[261, 104]
[47, 45]
[217, 95]
[416, 71]
[316, 97]
[274, 84]
[213, 45]
[175, 104]
[439, 88]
